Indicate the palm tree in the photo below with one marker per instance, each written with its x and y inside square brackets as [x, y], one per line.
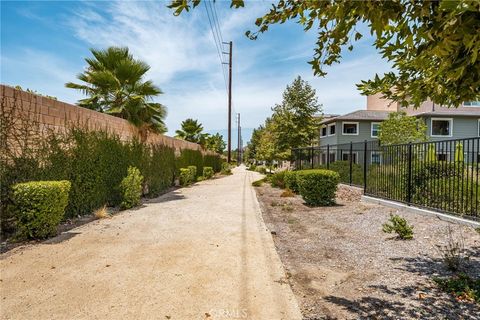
[113, 82]
[191, 131]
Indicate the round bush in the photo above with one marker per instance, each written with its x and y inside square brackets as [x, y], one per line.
[131, 187]
[39, 207]
[318, 187]
[290, 179]
[207, 172]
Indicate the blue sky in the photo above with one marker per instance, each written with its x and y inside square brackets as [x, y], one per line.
[43, 45]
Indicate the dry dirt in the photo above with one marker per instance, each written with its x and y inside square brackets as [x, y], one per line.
[201, 252]
[341, 265]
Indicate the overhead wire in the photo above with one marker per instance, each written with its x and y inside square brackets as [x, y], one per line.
[217, 37]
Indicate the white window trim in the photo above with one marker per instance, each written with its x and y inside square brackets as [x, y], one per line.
[441, 119]
[350, 134]
[376, 152]
[328, 129]
[371, 129]
[478, 129]
[348, 153]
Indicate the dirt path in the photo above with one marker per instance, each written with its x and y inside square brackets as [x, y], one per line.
[196, 253]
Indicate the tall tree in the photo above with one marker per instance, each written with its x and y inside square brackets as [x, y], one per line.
[191, 131]
[215, 143]
[433, 45]
[267, 148]
[253, 144]
[295, 122]
[400, 128]
[113, 82]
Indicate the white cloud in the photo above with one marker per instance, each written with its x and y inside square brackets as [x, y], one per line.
[185, 64]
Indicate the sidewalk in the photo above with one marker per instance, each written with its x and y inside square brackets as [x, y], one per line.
[196, 253]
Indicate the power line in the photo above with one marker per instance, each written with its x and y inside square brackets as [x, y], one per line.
[215, 28]
[213, 8]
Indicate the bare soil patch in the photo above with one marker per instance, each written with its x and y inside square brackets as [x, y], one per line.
[341, 265]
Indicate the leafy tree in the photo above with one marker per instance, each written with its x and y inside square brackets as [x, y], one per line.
[215, 143]
[294, 119]
[113, 82]
[267, 148]
[191, 131]
[253, 144]
[400, 128]
[433, 45]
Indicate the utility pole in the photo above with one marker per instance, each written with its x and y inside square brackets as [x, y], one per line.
[239, 140]
[229, 144]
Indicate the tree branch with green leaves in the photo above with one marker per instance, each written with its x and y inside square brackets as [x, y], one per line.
[433, 45]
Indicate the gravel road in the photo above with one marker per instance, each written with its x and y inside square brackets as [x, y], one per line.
[201, 252]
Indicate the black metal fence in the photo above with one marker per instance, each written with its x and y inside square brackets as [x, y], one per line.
[438, 175]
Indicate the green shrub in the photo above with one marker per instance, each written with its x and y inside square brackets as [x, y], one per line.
[290, 179]
[400, 226]
[277, 179]
[261, 169]
[191, 158]
[461, 286]
[226, 169]
[131, 187]
[193, 173]
[214, 161]
[317, 187]
[207, 172]
[451, 193]
[39, 207]
[343, 169]
[252, 167]
[185, 177]
[258, 183]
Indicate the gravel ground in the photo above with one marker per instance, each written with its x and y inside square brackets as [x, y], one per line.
[342, 266]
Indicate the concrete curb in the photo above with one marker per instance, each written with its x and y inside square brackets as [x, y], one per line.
[441, 216]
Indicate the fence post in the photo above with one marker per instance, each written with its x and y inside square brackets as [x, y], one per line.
[328, 156]
[409, 174]
[311, 153]
[365, 166]
[351, 160]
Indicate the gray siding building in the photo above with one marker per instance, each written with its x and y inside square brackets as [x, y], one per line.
[363, 125]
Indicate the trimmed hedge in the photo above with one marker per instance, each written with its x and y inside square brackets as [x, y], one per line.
[131, 187]
[290, 179]
[95, 163]
[317, 187]
[278, 179]
[185, 177]
[191, 158]
[226, 168]
[193, 173]
[208, 172]
[39, 207]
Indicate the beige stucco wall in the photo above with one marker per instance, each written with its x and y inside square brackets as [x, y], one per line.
[378, 103]
[50, 114]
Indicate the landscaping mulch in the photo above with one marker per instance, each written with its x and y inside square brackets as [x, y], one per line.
[341, 265]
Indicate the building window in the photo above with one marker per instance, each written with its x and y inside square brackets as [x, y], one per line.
[471, 104]
[375, 129]
[331, 129]
[441, 127]
[442, 156]
[346, 156]
[333, 157]
[376, 157]
[323, 131]
[350, 128]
